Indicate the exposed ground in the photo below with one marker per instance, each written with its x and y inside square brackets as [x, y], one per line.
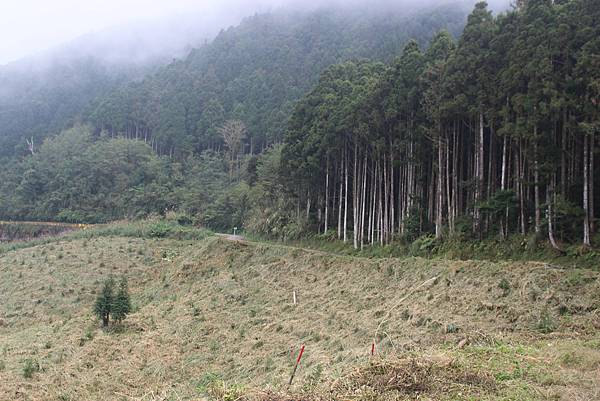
[216, 318]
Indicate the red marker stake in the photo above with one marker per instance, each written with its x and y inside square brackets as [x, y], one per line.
[373, 348]
[296, 366]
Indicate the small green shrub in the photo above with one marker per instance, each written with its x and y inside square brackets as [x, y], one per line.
[504, 285]
[29, 368]
[422, 245]
[159, 230]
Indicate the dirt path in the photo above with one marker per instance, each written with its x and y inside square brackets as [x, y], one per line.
[241, 238]
[230, 237]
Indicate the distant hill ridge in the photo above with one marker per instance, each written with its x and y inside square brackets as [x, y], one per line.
[254, 71]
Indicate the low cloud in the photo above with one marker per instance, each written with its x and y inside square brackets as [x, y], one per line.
[27, 28]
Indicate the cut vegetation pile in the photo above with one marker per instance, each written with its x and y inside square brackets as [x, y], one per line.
[216, 319]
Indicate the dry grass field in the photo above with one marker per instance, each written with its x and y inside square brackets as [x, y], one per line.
[215, 319]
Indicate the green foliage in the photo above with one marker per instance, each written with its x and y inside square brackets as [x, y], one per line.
[504, 285]
[256, 72]
[113, 304]
[212, 385]
[30, 367]
[499, 203]
[423, 246]
[121, 305]
[76, 178]
[104, 302]
[473, 138]
[159, 230]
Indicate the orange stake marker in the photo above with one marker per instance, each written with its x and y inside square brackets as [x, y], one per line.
[296, 365]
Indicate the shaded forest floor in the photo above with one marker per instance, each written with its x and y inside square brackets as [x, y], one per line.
[215, 319]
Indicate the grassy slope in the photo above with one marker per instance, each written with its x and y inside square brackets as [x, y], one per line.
[217, 316]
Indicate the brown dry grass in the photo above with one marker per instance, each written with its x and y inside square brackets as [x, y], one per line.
[217, 317]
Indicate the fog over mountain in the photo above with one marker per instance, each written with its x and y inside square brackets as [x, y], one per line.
[80, 56]
[134, 31]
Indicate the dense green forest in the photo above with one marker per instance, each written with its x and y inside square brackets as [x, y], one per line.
[255, 73]
[492, 135]
[36, 102]
[336, 124]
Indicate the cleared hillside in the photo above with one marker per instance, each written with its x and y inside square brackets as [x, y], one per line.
[216, 318]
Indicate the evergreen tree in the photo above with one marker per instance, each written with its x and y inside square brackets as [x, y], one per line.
[121, 305]
[105, 301]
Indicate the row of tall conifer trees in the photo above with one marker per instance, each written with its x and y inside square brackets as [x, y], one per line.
[492, 134]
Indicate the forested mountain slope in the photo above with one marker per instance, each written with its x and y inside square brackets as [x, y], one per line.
[489, 135]
[46, 92]
[256, 71]
[37, 102]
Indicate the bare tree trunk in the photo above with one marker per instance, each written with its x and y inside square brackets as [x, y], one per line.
[563, 155]
[327, 197]
[374, 202]
[319, 213]
[340, 199]
[363, 206]
[355, 197]
[380, 205]
[586, 201]
[448, 194]
[385, 200]
[479, 178]
[573, 160]
[456, 174]
[371, 194]
[536, 184]
[431, 193]
[392, 200]
[30, 146]
[521, 181]
[503, 182]
[400, 199]
[491, 173]
[346, 195]
[591, 189]
[410, 181]
[439, 190]
[549, 214]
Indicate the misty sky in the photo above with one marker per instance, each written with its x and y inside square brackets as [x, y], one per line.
[30, 26]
